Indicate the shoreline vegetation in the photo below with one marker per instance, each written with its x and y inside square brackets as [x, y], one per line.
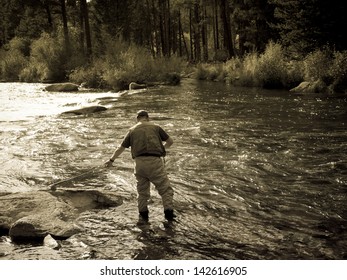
[110, 44]
[323, 71]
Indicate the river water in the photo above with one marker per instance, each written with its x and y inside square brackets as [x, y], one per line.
[257, 174]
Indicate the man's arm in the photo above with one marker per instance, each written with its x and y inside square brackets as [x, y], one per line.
[116, 154]
[168, 143]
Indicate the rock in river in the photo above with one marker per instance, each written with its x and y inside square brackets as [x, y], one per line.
[33, 215]
[86, 110]
[62, 87]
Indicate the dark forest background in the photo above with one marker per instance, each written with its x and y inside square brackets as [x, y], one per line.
[109, 43]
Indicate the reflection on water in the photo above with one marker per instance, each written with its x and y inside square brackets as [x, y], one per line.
[258, 174]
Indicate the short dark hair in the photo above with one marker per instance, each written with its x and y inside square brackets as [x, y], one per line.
[142, 113]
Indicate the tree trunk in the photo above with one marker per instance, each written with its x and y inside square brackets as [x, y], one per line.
[65, 27]
[85, 16]
[197, 36]
[204, 36]
[181, 36]
[225, 15]
[215, 26]
[191, 35]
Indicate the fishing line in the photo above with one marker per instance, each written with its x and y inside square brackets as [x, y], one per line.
[89, 172]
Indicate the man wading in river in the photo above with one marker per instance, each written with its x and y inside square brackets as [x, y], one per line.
[147, 149]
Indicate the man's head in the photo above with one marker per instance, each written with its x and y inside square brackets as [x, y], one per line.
[142, 115]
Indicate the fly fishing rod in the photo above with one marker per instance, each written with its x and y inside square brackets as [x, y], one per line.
[87, 173]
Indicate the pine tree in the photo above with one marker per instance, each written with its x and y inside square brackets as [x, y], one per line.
[307, 25]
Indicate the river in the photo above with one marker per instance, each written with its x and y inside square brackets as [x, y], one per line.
[257, 174]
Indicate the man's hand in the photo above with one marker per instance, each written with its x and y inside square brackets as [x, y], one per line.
[108, 163]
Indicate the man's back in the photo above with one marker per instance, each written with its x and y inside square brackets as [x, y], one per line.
[146, 138]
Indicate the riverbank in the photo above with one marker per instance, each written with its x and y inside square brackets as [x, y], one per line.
[322, 71]
[325, 70]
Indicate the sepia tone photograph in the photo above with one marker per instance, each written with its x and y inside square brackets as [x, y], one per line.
[173, 130]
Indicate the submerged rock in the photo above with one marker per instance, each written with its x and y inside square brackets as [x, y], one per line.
[62, 87]
[34, 215]
[86, 110]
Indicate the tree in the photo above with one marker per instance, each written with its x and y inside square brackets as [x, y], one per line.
[251, 20]
[65, 26]
[307, 25]
[225, 17]
[85, 28]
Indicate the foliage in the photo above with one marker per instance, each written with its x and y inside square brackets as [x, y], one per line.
[50, 60]
[90, 76]
[317, 64]
[112, 43]
[294, 74]
[328, 67]
[307, 25]
[211, 72]
[241, 72]
[270, 70]
[46, 60]
[13, 59]
[338, 70]
[123, 63]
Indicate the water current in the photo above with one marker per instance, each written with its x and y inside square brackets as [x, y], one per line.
[257, 174]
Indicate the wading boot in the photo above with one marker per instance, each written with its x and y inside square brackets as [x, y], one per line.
[144, 215]
[169, 215]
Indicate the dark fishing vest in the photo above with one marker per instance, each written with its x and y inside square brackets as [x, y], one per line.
[145, 140]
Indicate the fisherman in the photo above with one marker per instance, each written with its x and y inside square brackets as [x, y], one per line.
[148, 144]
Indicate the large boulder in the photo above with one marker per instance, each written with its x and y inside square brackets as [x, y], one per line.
[62, 87]
[34, 215]
[86, 110]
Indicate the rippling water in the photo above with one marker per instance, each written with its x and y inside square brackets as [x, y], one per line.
[257, 174]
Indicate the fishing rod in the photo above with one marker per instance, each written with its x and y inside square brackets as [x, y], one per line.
[89, 172]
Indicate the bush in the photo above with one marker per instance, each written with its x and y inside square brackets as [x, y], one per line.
[317, 66]
[211, 72]
[247, 71]
[294, 74]
[13, 59]
[91, 76]
[47, 59]
[271, 68]
[338, 72]
[123, 63]
[328, 67]
[12, 65]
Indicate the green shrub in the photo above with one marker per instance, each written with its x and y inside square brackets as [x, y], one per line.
[48, 58]
[271, 68]
[11, 65]
[91, 75]
[13, 59]
[328, 67]
[294, 75]
[29, 74]
[211, 72]
[247, 72]
[317, 65]
[123, 63]
[338, 72]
